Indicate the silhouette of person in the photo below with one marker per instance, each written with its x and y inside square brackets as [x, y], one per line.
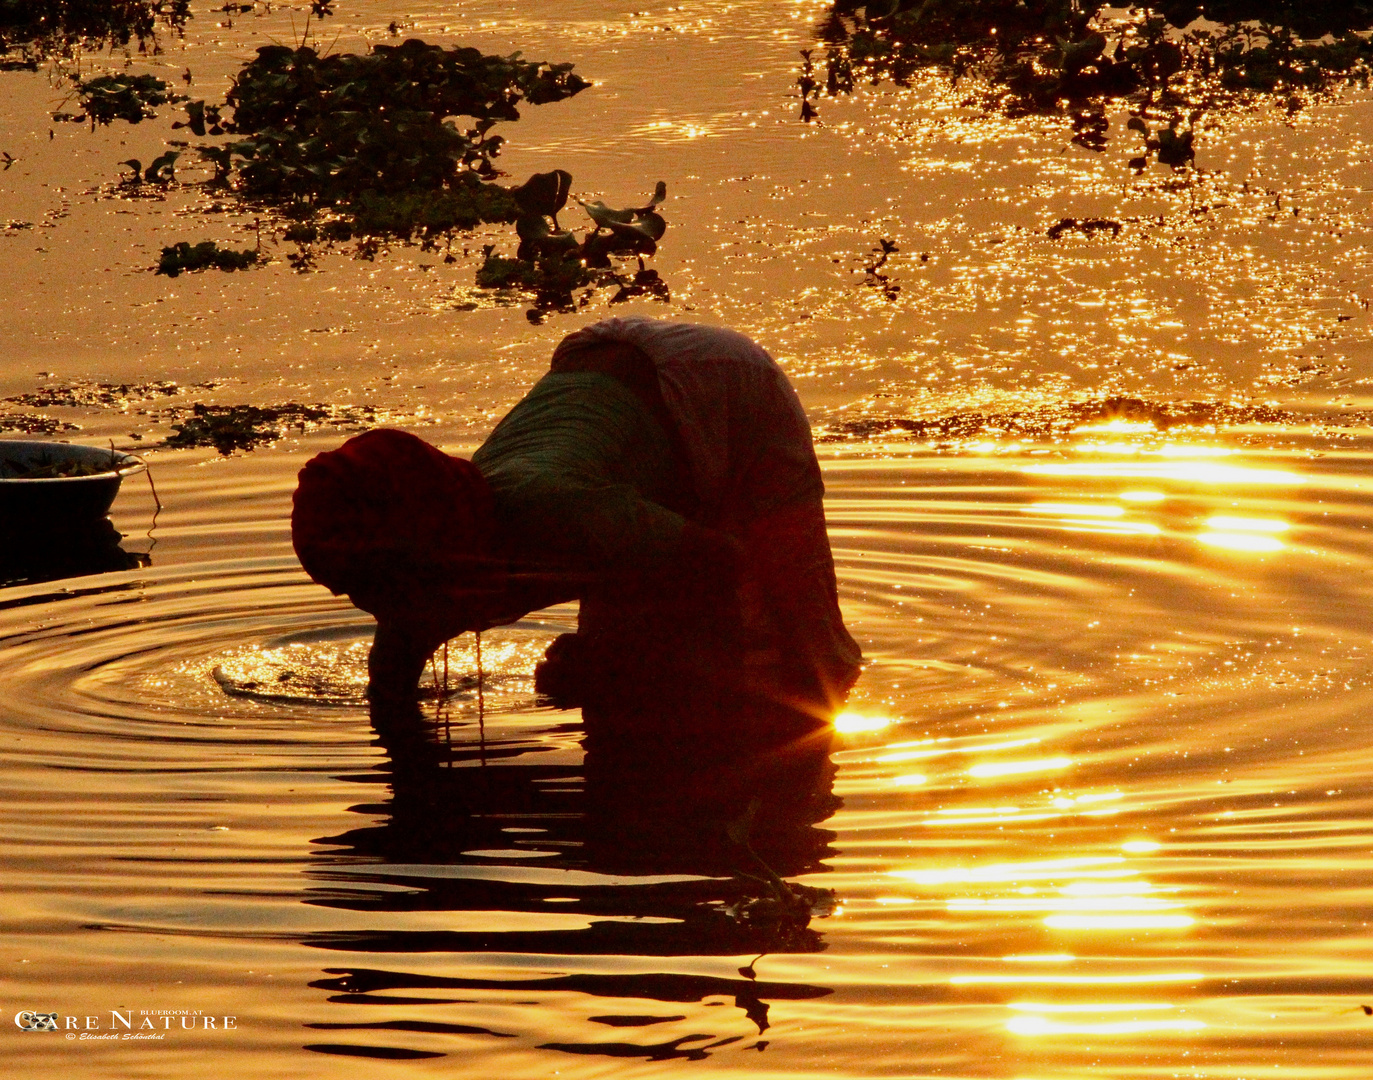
[661, 473]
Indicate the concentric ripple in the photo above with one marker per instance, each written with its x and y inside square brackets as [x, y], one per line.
[1109, 748]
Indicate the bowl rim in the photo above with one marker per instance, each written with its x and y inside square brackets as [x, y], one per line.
[128, 464]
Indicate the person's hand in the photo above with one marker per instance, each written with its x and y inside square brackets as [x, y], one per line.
[396, 662]
[427, 611]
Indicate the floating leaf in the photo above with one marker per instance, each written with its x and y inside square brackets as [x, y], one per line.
[1175, 147]
[648, 229]
[544, 193]
[604, 216]
[162, 169]
[538, 237]
[659, 194]
[204, 256]
[107, 98]
[607, 218]
[198, 116]
[1076, 55]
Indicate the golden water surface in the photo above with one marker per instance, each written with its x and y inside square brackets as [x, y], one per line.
[1098, 806]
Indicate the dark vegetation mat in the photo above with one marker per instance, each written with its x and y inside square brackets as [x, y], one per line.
[244, 427]
[32, 31]
[84, 394]
[34, 424]
[106, 98]
[226, 428]
[1045, 56]
[206, 255]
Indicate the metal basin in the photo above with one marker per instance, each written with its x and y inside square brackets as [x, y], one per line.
[33, 496]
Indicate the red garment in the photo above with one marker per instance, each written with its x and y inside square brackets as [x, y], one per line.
[386, 503]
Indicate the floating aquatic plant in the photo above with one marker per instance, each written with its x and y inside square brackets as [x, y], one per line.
[161, 170]
[107, 98]
[84, 394]
[369, 144]
[1043, 55]
[330, 129]
[33, 30]
[1085, 226]
[207, 255]
[243, 427]
[35, 424]
[1173, 147]
[552, 261]
[875, 278]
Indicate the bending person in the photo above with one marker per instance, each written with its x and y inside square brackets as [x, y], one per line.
[661, 473]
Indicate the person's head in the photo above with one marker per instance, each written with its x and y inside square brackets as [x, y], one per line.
[402, 528]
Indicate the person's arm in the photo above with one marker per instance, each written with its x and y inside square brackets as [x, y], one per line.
[419, 613]
[395, 664]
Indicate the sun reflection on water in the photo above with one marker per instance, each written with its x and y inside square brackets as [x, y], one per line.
[902, 754]
[1118, 922]
[1040, 1025]
[1118, 427]
[851, 723]
[1082, 893]
[1048, 869]
[1244, 533]
[1142, 496]
[1228, 523]
[1238, 541]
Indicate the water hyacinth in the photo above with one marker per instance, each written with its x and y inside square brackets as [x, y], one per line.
[1037, 56]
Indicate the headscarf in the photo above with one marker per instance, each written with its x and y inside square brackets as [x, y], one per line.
[387, 504]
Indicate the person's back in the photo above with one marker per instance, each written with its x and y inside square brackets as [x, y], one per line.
[583, 477]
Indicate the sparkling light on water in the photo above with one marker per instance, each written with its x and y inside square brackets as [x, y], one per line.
[851, 723]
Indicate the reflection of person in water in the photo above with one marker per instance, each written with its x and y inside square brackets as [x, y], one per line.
[661, 473]
[641, 845]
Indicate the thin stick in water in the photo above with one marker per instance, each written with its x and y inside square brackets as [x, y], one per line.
[481, 699]
[157, 506]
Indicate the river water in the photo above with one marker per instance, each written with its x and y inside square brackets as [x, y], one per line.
[1099, 806]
